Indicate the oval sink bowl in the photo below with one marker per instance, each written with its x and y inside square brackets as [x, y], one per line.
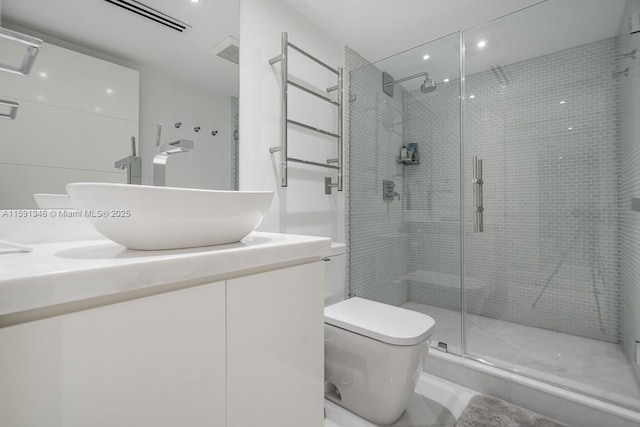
[52, 201]
[153, 218]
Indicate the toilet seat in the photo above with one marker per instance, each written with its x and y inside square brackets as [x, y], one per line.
[382, 322]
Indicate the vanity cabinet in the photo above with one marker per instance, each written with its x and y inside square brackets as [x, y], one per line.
[154, 361]
[275, 348]
[242, 352]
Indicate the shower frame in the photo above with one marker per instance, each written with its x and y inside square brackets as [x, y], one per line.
[464, 176]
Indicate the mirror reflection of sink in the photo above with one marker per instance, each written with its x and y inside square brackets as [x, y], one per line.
[153, 218]
[52, 201]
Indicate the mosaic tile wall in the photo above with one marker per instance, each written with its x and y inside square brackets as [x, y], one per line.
[377, 232]
[549, 255]
[352, 61]
[432, 197]
[629, 220]
[235, 140]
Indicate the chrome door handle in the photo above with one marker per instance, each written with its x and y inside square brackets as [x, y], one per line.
[478, 208]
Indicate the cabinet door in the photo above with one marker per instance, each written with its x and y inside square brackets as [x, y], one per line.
[275, 348]
[154, 361]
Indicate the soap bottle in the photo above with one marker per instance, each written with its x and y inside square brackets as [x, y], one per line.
[404, 153]
[413, 152]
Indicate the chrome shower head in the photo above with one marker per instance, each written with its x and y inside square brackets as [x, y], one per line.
[388, 82]
[428, 86]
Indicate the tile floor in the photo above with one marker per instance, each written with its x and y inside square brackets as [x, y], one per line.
[592, 366]
[435, 403]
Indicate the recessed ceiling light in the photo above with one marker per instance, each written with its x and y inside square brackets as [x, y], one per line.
[563, 102]
[195, 1]
[569, 128]
[482, 43]
[426, 57]
[446, 80]
[109, 91]
[472, 96]
[43, 75]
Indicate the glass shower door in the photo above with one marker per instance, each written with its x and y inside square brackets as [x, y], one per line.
[542, 112]
[405, 247]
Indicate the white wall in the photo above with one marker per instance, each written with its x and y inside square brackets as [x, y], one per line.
[302, 207]
[162, 99]
[75, 118]
[166, 100]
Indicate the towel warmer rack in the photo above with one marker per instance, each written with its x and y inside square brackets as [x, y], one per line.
[336, 163]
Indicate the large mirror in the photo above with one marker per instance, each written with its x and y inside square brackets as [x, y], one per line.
[108, 72]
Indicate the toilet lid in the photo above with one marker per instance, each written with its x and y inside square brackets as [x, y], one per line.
[382, 322]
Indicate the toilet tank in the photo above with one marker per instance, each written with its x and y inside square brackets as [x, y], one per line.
[335, 264]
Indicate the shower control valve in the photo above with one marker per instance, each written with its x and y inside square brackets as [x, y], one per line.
[388, 190]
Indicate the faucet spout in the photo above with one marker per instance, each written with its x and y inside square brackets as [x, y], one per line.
[123, 164]
[161, 156]
[132, 164]
[175, 147]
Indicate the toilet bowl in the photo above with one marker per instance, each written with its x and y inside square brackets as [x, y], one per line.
[374, 354]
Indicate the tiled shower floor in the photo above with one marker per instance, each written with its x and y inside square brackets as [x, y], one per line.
[596, 367]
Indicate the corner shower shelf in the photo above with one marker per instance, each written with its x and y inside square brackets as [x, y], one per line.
[408, 162]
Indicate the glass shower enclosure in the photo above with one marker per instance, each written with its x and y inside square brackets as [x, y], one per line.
[514, 225]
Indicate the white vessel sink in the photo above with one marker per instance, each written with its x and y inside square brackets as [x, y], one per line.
[152, 218]
[52, 201]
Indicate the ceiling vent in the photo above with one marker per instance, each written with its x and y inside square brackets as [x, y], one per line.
[151, 14]
[227, 49]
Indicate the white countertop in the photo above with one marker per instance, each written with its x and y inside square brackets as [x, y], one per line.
[65, 272]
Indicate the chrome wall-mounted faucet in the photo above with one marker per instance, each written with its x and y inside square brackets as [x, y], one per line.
[162, 153]
[132, 164]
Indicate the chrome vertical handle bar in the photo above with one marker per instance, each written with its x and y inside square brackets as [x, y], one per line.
[478, 208]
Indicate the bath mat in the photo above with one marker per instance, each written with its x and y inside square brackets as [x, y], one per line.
[488, 411]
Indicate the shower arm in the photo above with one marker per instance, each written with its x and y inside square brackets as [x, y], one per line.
[404, 79]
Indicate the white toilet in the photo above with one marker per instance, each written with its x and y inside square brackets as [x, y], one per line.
[373, 352]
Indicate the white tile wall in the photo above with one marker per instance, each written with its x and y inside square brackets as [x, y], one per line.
[432, 195]
[550, 193]
[379, 240]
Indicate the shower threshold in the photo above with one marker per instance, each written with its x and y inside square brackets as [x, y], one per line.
[594, 367]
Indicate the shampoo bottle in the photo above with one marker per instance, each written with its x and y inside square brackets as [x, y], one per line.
[404, 153]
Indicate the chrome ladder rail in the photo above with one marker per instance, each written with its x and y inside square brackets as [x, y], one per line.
[283, 58]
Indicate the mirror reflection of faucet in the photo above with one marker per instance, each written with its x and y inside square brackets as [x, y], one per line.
[132, 164]
[162, 153]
